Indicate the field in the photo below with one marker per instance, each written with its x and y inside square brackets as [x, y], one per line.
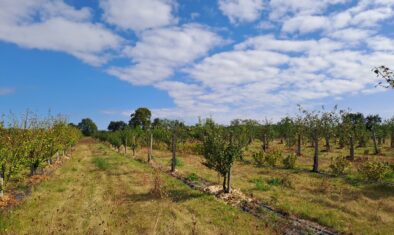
[99, 191]
[346, 203]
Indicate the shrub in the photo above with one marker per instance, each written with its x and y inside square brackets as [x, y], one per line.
[272, 158]
[339, 165]
[259, 158]
[289, 161]
[374, 171]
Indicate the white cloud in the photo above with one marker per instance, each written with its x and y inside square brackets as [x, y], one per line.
[280, 9]
[268, 42]
[351, 35]
[239, 11]
[138, 15]
[380, 43]
[160, 51]
[6, 90]
[60, 28]
[305, 24]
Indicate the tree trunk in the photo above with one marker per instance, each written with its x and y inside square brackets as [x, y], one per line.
[392, 139]
[228, 190]
[316, 154]
[150, 148]
[375, 145]
[351, 157]
[125, 147]
[133, 152]
[299, 145]
[265, 143]
[32, 170]
[328, 147]
[2, 176]
[173, 163]
[1, 186]
[224, 182]
[341, 143]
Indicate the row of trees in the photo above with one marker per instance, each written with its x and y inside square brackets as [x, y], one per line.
[222, 145]
[31, 141]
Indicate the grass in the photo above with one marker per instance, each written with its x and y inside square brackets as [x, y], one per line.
[100, 162]
[346, 203]
[79, 199]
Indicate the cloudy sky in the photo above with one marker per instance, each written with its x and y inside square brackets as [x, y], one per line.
[193, 58]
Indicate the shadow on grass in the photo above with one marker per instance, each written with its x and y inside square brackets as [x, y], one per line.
[181, 195]
[173, 195]
[378, 191]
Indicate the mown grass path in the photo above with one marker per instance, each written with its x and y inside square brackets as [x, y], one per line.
[99, 191]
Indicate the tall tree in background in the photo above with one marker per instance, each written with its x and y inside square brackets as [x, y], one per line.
[117, 126]
[87, 127]
[141, 118]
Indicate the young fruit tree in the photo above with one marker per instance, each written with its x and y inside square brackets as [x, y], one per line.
[329, 121]
[266, 134]
[313, 124]
[220, 149]
[170, 132]
[351, 128]
[372, 123]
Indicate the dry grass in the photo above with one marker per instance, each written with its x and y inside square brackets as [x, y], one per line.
[345, 203]
[80, 198]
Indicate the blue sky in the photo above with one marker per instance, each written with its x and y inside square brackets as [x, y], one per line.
[193, 58]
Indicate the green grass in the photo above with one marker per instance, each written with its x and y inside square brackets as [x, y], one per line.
[347, 203]
[101, 163]
[79, 199]
[260, 184]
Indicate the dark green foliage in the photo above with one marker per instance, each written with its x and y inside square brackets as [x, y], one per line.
[221, 147]
[140, 118]
[87, 127]
[117, 126]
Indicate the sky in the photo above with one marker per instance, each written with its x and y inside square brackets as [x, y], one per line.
[187, 59]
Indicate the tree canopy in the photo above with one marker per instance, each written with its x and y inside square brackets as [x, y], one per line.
[141, 118]
[87, 127]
